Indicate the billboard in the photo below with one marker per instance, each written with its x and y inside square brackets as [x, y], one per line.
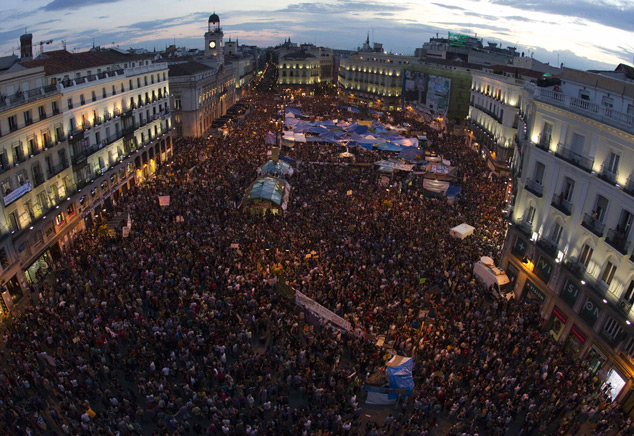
[426, 91]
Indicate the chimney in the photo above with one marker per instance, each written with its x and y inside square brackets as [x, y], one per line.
[26, 46]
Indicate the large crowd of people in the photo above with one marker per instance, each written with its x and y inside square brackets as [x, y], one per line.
[181, 328]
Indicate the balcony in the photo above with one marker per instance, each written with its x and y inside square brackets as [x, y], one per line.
[593, 224]
[577, 268]
[629, 187]
[544, 142]
[534, 188]
[604, 114]
[580, 161]
[561, 204]
[56, 169]
[38, 179]
[548, 246]
[607, 174]
[618, 239]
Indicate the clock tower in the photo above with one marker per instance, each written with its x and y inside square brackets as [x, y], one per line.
[213, 40]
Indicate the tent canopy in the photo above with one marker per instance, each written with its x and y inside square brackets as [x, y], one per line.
[268, 188]
[277, 168]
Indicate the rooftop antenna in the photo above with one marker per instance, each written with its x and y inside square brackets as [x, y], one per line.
[64, 44]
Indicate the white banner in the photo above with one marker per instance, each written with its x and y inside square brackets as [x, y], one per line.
[321, 311]
[164, 200]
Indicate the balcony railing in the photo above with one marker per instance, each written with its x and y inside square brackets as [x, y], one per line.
[578, 160]
[548, 246]
[534, 187]
[544, 142]
[605, 114]
[56, 169]
[618, 240]
[577, 268]
[629, 186]
[607, 174]
[593, 224]
[561, 204]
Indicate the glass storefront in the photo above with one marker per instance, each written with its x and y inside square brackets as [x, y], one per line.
[574, 343]
[594, 360]
[613, 384]
[39, 269]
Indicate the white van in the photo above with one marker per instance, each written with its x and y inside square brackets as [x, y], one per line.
[491, 276]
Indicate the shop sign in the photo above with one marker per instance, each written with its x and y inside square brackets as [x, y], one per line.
[590, 312]
[570, 293]
[532, 291]
[558, 324]
[543, 269]
[519, 249]
[578, 335]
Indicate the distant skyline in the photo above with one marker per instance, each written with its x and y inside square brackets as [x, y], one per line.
[584, 34]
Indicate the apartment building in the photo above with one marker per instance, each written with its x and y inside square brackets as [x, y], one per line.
[569, 247]
[77, 130]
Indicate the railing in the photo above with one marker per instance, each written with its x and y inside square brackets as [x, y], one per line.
[587, 108]
[618, 240]
[38, 179]
[607, 174]
[548, 246]
[56, 169]
[561, 204]
[23, 97]
[577, 268]
[524, 226]
[629, 186]
[580, 161]
[534, 187]
[593, 224]
[544, 142]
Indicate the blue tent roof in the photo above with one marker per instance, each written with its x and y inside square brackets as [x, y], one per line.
[453, 190]
[388, 146]
[267, 188]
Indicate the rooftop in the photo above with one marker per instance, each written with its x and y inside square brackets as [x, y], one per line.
[188, 68]
[62, 61]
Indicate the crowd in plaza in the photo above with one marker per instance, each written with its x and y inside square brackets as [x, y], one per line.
[180, 327]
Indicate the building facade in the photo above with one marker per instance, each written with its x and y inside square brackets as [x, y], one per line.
[569, 240]
[371, 76]
[304, 64]
[76, 132]
[493, 120]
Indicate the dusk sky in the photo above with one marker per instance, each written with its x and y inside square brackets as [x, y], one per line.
[580, 33]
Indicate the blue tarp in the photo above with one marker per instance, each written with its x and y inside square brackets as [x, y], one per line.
[388, 146]
[410, 153]
[453, 190]
[357, 128]
[295, 111]
[401, 375]
[270, 139]
[317, 130]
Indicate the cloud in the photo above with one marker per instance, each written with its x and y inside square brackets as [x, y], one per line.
[619, 15]
[341, 6]
[58, 5]
[473, 26]
[483, 16]
[518, 18]
[11, 36]
[456, 8]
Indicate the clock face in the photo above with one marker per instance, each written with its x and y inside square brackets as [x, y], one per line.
[212, 44]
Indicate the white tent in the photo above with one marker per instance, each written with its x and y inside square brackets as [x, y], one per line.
[462, 231]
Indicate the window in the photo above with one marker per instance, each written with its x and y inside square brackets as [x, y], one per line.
[82, 101]
[41, 112]
[55, 108]
[103, 93]
[70, 103]
[629, 293]
[138, 82]
[612, 164]
[625, 224]
[578, 143]
[600, 208]
[529, 216]
[584, 95]
[539, 173]
[568, 189]
[612, 329]
[94, 96]
[13, 123]
[629, 348]
[586, 255]
[630, 109]
[607, 102]
[555, 234]
[547, 133]
[59, 219]
[608, 273]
